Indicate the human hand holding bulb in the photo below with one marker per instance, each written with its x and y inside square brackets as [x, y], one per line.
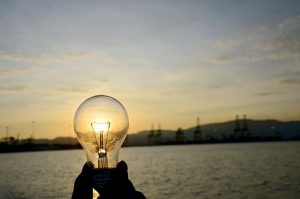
[101, 124]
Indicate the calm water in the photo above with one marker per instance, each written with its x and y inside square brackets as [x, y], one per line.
[233, 171]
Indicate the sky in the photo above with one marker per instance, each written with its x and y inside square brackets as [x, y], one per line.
[166, 61]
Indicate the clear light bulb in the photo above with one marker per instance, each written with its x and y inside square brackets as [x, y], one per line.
[101, 124]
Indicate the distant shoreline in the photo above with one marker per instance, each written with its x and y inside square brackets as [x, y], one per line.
[226, 132]
[38, 147]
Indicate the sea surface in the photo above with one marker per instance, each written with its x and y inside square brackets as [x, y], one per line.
[233, 171]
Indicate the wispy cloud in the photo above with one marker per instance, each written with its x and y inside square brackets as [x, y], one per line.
[285, 41]
[290, 81]
[48, 58]
[102, 81]
[15, 88]
[228, 43]
[267, 94]
[9, 71]
[71, 90]
[222, 59]
[276, 43]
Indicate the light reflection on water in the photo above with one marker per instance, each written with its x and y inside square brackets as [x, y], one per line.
[257, 170]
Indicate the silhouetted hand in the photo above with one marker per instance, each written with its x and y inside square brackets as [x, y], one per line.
[110, 183]
[83, 184]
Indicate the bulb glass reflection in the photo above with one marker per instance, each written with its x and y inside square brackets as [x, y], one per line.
[101, 124]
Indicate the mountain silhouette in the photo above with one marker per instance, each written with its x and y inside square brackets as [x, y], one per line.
[260, 128]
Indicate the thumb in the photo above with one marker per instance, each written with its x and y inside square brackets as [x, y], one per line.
[122, 170]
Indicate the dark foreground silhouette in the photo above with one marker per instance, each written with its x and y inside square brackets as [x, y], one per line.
[110, 184]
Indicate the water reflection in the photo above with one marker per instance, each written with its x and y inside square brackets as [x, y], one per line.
[257, 170]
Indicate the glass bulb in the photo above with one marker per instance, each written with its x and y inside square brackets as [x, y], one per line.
[101, 124]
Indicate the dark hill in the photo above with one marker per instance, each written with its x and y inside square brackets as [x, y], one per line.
[261, 128]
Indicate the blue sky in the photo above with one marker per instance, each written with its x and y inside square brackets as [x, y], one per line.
[166, 61]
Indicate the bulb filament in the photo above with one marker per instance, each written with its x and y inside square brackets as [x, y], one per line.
[102, 129]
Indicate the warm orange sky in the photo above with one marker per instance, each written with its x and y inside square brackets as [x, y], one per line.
[168, 62]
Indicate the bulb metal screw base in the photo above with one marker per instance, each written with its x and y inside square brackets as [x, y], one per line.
[102, 161]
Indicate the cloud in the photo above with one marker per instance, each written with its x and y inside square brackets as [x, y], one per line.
[15, 88]
[103, 80]
[228, 43]
[266, 94]
[50, 58]
[10, 71]
[223, 59]
[285, 42]
[71, 90]
[290, 81]
[275, 43]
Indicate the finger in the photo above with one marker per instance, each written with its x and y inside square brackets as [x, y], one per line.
[122, 166]
[101, 180]
[122, 170]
